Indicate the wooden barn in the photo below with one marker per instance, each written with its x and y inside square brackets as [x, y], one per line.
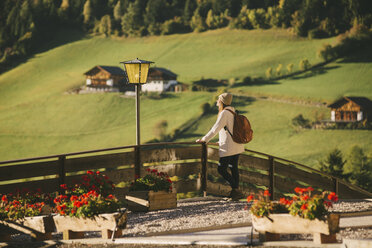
[160, 80]
[105, 76]
[351, 109]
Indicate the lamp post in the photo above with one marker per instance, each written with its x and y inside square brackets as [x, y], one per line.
[137, 71]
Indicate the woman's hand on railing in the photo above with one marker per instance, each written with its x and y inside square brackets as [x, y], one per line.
[199, 141]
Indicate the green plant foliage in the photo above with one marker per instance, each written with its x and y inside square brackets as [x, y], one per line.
[154, 180]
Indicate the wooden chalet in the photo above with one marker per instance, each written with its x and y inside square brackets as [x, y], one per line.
[105, 76]
[351, 109]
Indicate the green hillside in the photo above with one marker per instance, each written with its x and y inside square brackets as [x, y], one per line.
[38, 118]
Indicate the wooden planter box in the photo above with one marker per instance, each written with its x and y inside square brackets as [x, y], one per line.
[270, 230]
[74, 228]
[143, 201]
[38, 227]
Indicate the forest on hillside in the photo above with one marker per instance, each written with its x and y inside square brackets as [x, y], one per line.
[26, 24]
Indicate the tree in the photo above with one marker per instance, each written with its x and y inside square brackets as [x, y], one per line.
[269, 72]
[290, 68]
[326, 53]
[157, 11]
[118, 13]
[87, 12]
[105, 25]
[304, 64]
[300, 121]
[333, 164]
[279, 70]
[132, 22]
[197, 22]
[190, 7]
[359, 167]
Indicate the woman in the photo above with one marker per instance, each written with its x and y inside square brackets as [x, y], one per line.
[228, 150]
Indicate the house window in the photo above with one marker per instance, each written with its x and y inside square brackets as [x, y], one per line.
[360, 116]
[89, 81]
[110, 82]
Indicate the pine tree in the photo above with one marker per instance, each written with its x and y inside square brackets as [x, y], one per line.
[87, 12]
[105, 25]
[189, 9]
[359, 167]
[132, 22]
[334, 164]
[118, 11]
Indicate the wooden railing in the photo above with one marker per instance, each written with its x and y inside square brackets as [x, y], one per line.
[193, 167]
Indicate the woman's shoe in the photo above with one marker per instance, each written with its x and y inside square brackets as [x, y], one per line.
[236, 195]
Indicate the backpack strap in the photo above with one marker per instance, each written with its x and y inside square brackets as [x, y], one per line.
[226, 129]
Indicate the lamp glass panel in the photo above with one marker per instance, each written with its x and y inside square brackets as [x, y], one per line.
[133, 73]
[144, 72]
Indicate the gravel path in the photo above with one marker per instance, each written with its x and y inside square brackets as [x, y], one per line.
[191, 213]
[207, 212]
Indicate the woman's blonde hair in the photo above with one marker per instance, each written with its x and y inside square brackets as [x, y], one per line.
[221, 106]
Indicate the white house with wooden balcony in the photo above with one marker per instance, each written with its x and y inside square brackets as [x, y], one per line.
[160, 80]
[351, 109]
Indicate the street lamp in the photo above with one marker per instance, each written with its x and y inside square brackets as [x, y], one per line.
[137, 71]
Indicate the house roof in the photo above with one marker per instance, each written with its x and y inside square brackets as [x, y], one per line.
[361, 101]
[161, 73]
[113, 70]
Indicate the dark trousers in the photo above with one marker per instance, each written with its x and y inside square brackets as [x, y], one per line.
[232, 163]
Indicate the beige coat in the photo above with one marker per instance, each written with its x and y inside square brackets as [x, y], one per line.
[227, 146]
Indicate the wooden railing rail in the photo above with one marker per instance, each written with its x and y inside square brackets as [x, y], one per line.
[195, 165]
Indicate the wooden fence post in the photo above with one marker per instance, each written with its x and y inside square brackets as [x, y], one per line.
[137, 162]
[271, 177]
[62, 172]
[204, 160]
[335, 185]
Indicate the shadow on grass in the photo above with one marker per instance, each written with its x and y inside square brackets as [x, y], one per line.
[361, 56]
[248, 81]
[314, 72]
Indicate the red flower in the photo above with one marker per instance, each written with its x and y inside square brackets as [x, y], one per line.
[328, 203]
[304, 206]
[267, 193]
[63, 186]
[98, 172]
[4, 198]
[250, 198]
[299, 190]
[310, 189]
[333, 197]
[283, 201]
[110, 196]
[154, 171]
[73, 198]
[304, 197]
[90, 172]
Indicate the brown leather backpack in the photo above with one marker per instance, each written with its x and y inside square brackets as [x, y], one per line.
[242, 131]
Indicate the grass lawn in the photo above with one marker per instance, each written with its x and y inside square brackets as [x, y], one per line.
[71, 123]
[327, 84]
[38, 118]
